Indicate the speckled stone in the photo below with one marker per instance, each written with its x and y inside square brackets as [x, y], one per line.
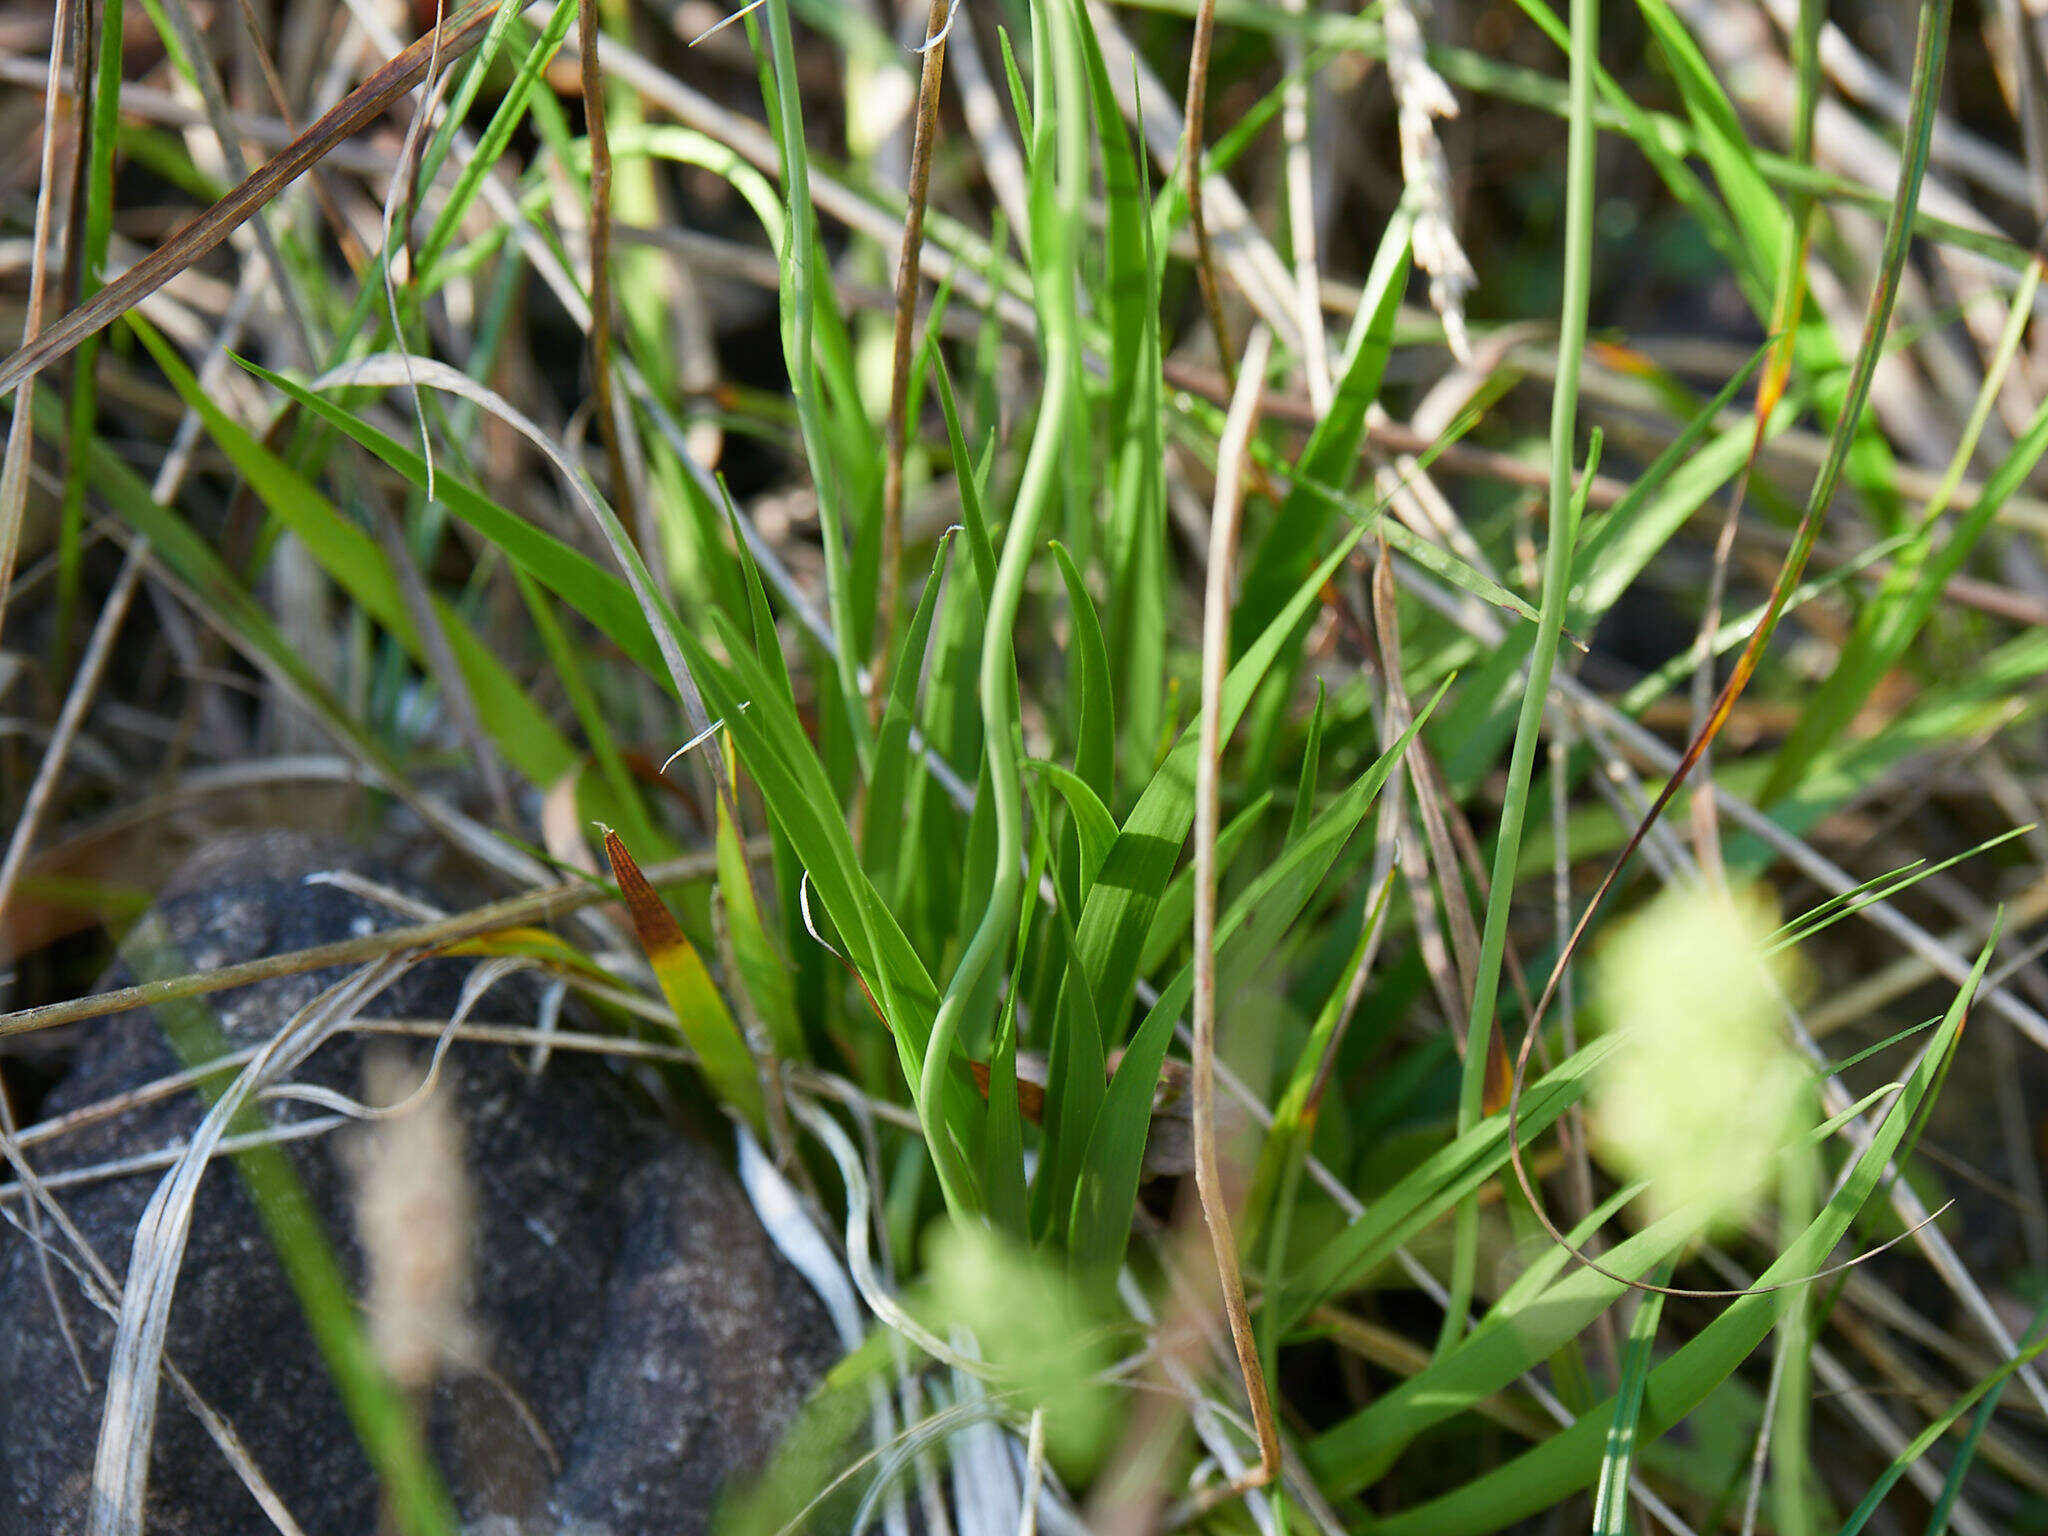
[644, 1341]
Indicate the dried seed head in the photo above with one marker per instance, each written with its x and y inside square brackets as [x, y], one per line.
[1420, 97]
[1701, 1095]
[413, 1208]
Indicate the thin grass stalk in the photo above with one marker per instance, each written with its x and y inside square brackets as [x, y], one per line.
[20, 430]
[101, 124]
[1787, 306]
[1223, 531]
[902, 340]
[1191, 163]
[534, 906]
[602, 399]
[1582, 141]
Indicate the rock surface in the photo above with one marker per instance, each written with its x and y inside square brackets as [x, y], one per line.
[642, 1340]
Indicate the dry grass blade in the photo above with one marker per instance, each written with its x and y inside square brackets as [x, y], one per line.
[185, 27]
[100, 1288]
[1223, 529]
[602, 399]
[352, 250]
[209, 229]
[930, 74]
[20, 430]
[1191, 158]
[121, 1466]
[514, 911]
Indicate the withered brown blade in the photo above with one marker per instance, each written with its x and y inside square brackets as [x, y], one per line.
[656, 927]
[1030, 1095]
[459, 34]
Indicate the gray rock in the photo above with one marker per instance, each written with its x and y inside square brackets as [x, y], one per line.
[644, 1343]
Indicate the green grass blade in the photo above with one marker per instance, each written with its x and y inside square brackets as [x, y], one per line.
[1118, 915]
[801, 278]
[1571, 1459]
[1610, 1498]
[1331, 453]
[1173, 918]
[1253, 925]
[700, 1013]
[96, 231]
[1094, 826]
[1129, 298]
[1095, 714]
[528, 739]
[1311, 755]
[1559, 541]
[882, 823]
[602, 598]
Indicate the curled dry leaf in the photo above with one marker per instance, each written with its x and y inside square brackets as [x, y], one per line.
[561, 825]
